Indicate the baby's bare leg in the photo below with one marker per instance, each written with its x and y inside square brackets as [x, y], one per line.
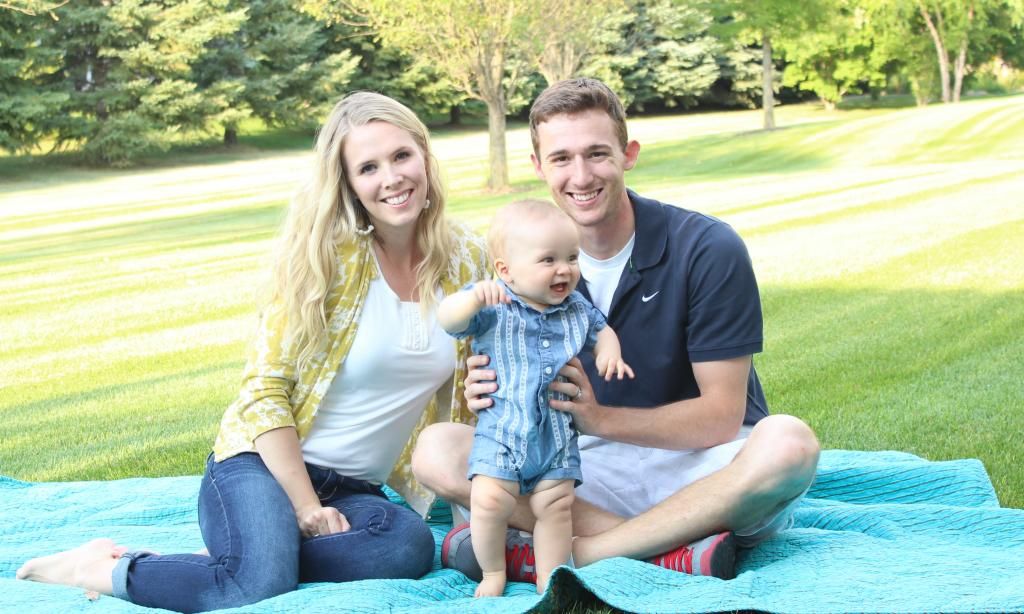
[88, 566]
[492, 501]
[551, 503]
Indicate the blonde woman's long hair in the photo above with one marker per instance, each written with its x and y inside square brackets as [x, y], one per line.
[326, 213]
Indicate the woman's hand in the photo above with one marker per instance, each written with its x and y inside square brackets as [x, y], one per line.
[318, 521]
[479, 383]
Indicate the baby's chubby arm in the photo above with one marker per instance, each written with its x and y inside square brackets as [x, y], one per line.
[457, 310]
[608, 356]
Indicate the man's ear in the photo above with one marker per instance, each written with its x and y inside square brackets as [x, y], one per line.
[501, 268]
[632, 153]
[536, 167]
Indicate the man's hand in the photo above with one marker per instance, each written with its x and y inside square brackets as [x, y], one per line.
[479, 383]
[319, 521]
[490, 292]
[586, 412]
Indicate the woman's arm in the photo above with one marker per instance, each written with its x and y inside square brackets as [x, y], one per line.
[280, 451]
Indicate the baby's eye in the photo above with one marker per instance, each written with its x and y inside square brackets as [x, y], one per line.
[547, 260]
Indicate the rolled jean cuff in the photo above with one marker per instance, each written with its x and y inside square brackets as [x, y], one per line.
[119, 576]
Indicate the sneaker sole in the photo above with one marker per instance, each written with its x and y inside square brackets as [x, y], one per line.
[719, 559]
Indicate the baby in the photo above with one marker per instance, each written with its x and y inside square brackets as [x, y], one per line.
[530, 323]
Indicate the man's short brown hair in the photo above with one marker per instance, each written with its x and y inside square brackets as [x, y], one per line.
[573, 96]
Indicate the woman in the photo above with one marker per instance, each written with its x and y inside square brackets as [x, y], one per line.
[343, 376]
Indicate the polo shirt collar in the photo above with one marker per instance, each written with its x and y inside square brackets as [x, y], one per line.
[651, 229]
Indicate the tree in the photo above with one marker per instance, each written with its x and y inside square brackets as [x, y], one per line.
[30, 81]
[572, 32]
[663, 54]
[127, 70]
[958, 31]
[835, 59]
[279, 66]
[763, 21]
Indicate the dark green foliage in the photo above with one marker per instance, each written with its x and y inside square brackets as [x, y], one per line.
[29, 81]
[279, 66]
[665, 57]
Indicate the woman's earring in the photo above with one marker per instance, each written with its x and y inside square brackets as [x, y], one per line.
[427, 206]
[365, 232]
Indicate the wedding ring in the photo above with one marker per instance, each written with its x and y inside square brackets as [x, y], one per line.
[579, 393]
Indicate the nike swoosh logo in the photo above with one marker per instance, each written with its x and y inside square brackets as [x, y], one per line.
[647, 298]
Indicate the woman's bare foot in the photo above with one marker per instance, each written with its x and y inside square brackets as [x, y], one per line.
[88, 566]
[492, 584]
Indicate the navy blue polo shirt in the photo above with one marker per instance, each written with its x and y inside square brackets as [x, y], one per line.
[687, 294]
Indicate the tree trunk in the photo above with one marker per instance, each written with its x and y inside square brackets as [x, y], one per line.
[767, 91]
[958, 72]
[230, 136]
[940, 51]
[455, 115]
[961, 59]
[497, 179]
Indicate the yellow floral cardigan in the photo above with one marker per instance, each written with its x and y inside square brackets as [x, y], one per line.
[275, 395]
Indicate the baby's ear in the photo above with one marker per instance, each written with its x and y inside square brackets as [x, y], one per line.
[501, 268]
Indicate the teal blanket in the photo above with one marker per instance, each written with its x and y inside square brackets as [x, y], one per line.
[878, 532]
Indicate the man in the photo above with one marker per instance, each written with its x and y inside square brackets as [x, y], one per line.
[682, 464]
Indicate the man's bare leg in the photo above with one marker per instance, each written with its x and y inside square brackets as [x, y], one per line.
[551, 503]
[88, 566]
[776, 465]
[492, 503]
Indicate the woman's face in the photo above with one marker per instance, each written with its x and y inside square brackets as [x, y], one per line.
[388, 174]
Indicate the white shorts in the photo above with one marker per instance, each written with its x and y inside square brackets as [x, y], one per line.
[628, 480]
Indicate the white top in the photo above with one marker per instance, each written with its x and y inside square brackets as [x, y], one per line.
[603, 275]
[396, 364]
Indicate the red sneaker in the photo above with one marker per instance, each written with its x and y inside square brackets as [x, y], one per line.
[713, 556]
[457, 553]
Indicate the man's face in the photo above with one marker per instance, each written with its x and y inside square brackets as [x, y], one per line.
[581, 160]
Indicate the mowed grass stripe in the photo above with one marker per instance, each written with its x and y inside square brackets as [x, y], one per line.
[946, 187]
[248, 224]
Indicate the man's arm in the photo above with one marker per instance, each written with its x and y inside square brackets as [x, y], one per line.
[711, 419]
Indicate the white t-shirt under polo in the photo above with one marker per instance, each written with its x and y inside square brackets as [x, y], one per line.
[396, 364]
[603, 275]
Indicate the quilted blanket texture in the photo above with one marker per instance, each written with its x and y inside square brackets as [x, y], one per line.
[878, 532]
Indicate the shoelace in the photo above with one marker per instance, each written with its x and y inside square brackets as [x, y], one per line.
[680, 559]
[520, 563]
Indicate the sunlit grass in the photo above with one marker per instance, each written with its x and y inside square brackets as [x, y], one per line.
[887, 244]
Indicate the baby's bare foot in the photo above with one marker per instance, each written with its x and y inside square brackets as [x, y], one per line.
[492, 585]
[87, 566]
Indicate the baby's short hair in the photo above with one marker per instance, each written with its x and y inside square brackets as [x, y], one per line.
[516, 212]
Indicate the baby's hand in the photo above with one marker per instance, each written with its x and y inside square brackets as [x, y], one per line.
[609, 364]
[490, 293]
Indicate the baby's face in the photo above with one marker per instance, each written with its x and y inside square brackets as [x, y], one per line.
[542, 260]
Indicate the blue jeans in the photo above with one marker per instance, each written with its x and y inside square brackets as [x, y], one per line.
[257, 552]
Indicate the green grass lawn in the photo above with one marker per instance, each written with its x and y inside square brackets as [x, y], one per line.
[887, 243]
